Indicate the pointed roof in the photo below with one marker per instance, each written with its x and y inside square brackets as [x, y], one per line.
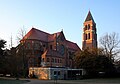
[52, 37]
[89, 17]
[72, 45]
[40, 35]
[36, 34]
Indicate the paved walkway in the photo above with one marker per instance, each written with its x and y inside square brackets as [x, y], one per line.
[50, 82]
[35, 81]
[87, 81]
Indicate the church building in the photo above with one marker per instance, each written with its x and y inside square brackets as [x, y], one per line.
[48, 50]
[48, 54]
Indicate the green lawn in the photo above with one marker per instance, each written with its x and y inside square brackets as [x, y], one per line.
[9, 81]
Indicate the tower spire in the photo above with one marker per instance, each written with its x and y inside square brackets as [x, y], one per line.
[89, 33]
[89, 17]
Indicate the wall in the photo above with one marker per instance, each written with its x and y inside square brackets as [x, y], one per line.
[50, 73]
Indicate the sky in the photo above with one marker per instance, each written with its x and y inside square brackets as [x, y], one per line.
[55, 15]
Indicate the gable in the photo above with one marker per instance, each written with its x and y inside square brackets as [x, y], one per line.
[61, 37]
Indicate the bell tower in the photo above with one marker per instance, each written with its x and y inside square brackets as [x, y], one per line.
[89, 33]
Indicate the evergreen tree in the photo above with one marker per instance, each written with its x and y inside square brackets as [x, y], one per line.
[93, 63]
[2, 58]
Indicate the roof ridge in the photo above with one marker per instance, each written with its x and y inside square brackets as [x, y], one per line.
[74, 45]
[46, 32]
[71, 41]
[40, 31]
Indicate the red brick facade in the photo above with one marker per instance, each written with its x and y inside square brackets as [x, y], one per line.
[48, 50]
[54, 50]
[89, 33]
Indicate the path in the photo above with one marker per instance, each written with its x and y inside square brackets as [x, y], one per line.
[35, 81]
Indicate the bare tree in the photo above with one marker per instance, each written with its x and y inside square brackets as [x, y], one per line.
[21, 34]
[11, 42]
[21, 50]
[110, 44]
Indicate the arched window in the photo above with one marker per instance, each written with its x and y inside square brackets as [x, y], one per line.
[55, 60]
[52, 60]
[48, 60]
[85, 27]
[88, 35]
[88, 26]
[58, 61]
[85, 36]
[51, 47]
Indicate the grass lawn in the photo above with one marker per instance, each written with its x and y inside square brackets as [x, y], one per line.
[9, 81]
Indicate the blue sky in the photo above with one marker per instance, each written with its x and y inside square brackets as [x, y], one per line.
[54, 15]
